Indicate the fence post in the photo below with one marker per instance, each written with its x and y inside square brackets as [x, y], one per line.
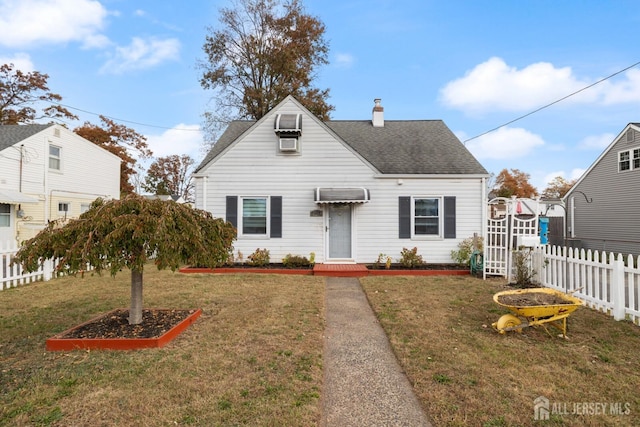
[47, 270]
[617, 287]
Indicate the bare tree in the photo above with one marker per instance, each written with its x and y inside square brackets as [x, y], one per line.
[171, 175]
[263, 51]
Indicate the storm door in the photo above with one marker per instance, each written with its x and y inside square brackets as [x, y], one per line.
[339, 231]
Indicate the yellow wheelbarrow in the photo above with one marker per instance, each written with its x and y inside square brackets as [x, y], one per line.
[533, 307]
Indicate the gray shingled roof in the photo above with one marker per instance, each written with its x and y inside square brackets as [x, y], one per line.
[233, 132]
[12, 134]
[400, 147]
[408, 146]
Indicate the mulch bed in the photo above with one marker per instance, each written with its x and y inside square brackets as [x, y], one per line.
[420, 267]
[532, 299]
[115, 324]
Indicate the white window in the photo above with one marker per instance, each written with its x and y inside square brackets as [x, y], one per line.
[55, 157]
[629, 160]
[63, 209]
[253, 216]
[5, 215]
[426, 216]
[84, 207]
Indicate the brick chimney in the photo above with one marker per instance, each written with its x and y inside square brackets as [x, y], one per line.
[378, 114]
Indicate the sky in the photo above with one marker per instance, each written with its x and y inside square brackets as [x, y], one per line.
[488, 69]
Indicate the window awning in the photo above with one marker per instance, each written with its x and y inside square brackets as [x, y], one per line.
[14, 197]
[341, 195]
[288, 124]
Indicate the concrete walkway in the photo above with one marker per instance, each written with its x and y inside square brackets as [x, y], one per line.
[363, 383]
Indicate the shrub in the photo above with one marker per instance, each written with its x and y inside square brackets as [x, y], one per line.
[382, 260]
[462, 256]
[259, 258]
[409, 258]
[312, 258]
[291, 261]
[523, 273]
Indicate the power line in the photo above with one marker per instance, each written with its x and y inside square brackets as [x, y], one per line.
[128, 121]
[554, 102]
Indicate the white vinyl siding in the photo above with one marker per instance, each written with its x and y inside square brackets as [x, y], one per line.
[89, 172]
[251, 166]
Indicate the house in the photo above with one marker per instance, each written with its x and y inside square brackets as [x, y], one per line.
[48, 172]
[165, 197]
[603, 207]
[346, 191]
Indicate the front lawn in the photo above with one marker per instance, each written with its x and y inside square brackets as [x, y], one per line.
[466, 374]
[254, 357]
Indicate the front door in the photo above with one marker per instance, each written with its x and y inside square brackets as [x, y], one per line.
[339, 231]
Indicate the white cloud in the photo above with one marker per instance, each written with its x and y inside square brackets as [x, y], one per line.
[345, 60]
[625, 91]
[576, 173]
[505, 143]
[573, 175]
[21, 61]
[141, 54]
[596, 142]
[34, 22]
[181, 139]
[493, 85]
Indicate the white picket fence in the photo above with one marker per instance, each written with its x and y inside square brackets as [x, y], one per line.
[606, 282]
[12, 275]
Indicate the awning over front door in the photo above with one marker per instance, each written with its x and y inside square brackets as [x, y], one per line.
[15, 197]
[341, 195]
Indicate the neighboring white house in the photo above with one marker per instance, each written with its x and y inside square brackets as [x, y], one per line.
[347, 191]
[48, 172]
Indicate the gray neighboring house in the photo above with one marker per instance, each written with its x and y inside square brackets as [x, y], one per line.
[603, 207]
[347, 191]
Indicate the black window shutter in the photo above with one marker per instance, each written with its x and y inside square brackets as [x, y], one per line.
[404, 216]
[276, 216]
[232, 210]
[449, 217]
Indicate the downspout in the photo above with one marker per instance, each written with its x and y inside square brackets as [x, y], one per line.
[483, 216]
[21, 162]
[46, 181]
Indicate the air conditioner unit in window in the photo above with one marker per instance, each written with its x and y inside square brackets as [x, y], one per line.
[289, 144]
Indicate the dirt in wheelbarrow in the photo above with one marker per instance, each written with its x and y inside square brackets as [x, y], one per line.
[531, 299]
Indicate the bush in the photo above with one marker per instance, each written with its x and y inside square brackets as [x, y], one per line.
[259, 258]
[292, 261]
[462, 256]
[523, 273]
[382, 261]
[409, 258]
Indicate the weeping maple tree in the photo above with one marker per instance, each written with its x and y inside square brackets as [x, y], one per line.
[129, 233]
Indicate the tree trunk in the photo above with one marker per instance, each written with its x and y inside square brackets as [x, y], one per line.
[135, 311]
